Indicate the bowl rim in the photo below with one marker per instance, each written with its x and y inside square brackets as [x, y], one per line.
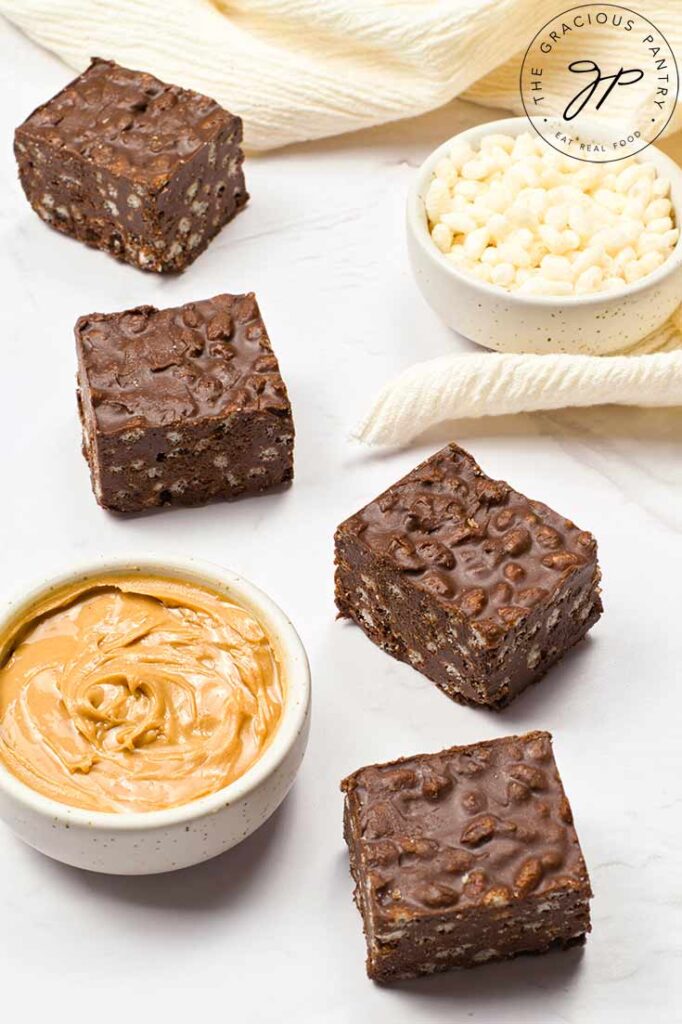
[417, 224]
[277, 625]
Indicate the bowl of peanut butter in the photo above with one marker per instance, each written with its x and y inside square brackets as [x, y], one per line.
[153, 713]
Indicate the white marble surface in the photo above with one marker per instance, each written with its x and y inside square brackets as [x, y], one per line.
[268, 932]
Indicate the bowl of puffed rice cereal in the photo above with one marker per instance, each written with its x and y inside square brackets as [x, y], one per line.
[523, 249]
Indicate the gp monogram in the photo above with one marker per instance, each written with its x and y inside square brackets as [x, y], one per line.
[599, 82]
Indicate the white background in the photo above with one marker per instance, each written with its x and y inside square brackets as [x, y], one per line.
[268, 932]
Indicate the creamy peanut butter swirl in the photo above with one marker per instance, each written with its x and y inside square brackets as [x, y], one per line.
[136, 693]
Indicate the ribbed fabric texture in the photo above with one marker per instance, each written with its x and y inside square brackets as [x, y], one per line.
[303, 69]
[494, 384]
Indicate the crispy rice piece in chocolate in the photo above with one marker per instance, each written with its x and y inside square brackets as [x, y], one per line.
[146, 171]
[465, 856]
[470, 582]
[182, 406]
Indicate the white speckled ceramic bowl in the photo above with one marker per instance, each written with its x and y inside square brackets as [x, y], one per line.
[154, 841]
[509, 322]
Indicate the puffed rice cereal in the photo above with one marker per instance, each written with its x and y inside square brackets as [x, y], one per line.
[520, 215]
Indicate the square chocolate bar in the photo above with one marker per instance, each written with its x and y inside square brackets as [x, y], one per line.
[470, 582]
[181, 406]
[465, 856]
[125, 163]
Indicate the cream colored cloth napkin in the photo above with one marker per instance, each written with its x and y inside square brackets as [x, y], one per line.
[494, 384]
[303, 69]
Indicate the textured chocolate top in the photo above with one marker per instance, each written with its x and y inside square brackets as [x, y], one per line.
[148, 367]
[129, 122]
[483, 825]
[478, 546]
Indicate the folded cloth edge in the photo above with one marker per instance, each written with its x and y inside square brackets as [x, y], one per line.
[494, 384]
